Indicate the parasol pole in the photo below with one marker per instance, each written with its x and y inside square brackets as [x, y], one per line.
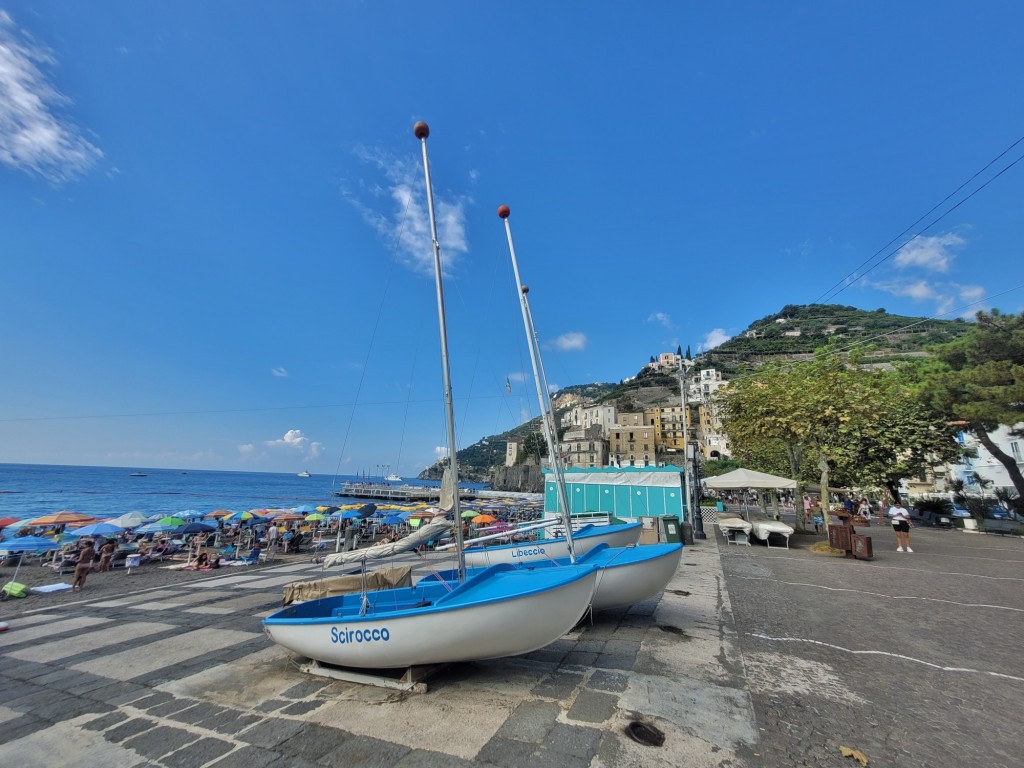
[543, 398]
[421, 130]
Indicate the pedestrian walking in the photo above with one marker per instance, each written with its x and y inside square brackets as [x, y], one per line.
[864, 509]
[900, 519]
[84, 565]
[807, 509]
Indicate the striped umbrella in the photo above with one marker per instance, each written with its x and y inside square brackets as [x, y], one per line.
[64, 517]
[220, 513]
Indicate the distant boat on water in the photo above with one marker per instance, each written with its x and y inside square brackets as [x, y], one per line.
[304, 473]
[394, 478]
[137, 474]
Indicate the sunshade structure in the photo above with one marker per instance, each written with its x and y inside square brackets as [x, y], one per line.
[64, 517]
[27, 544]
[747, 478]
[315, 517]
[196, 528]
[241, 517]
[172, 521]
[98, 529]
[129, 519]
[219, 513]
[484, 519]
[304, 508]
[290, 517]
[4, 521]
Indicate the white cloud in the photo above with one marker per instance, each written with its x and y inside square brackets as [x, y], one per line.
[931, 253]
[919, 290]
[714, 338]
[247, 450]
[294, 440]
[572, 341]
[33, 138]
[971, 292]
[395, 206]
[440, 452]
[660, 317]
[280, 372]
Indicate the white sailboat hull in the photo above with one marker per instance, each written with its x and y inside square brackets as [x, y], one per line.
[635, 580]
[521, 621]
[584, 540]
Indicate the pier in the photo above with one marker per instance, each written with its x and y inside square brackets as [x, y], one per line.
[398, 493]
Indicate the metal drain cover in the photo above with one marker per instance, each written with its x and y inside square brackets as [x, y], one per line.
[645, 734]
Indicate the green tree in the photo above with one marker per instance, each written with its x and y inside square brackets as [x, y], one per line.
[982, 382]
[862, 427]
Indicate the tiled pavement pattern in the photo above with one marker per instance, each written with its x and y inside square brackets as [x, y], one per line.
[185, 677]
[751, 657]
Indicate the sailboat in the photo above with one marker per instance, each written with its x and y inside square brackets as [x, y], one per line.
[499, 611]
[627, 573]
[573, 542]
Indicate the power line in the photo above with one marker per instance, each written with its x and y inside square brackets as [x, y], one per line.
[846, 281]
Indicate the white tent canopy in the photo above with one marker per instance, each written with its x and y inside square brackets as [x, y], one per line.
[747, 478]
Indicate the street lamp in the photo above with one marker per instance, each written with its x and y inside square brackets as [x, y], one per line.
[689, 451]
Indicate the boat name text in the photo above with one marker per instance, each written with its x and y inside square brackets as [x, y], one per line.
[346, 635]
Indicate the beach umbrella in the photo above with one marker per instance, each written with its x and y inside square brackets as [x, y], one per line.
[5, 521]
[219, 513]
[129, 519]
[484, 519]
[156, 528]
[190, 514]
[172, 521]
[29, 544]
[98, 529]
[244, 516]
[393, 520]
[64, 517]
[13, 528]
[316, 517]
[469, 513]
[304, 508]
[351, 515]
[287, 517]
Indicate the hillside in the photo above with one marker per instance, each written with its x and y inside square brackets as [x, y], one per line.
[798, 330]
[794, 332]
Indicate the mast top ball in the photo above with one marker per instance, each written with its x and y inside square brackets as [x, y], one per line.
[526, 289]
[421, 130]
[504, 211]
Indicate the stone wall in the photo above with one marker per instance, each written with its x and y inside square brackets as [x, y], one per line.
[524, 478]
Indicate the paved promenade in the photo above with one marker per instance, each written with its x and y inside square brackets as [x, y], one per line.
[751, 657]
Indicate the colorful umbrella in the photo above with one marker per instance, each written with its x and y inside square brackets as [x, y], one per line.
[7, 521]
[98, 529]
[64, 517]
[252, 514]
[196, 528]
[220, 513]
[484, 519]
[304, 508]
[129, 519]
[393, 520]
[316, 517]
[171, 521]
[469, 513]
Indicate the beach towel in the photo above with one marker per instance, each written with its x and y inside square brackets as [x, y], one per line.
[47, 588]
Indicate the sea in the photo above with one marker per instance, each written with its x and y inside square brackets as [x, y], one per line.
[33, 490]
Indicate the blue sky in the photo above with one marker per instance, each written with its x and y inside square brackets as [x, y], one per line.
[214, 244]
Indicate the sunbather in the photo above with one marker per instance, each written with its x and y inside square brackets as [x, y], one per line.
[85, 557]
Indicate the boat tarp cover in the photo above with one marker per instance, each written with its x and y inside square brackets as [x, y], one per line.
[384, 578]
[433, 530]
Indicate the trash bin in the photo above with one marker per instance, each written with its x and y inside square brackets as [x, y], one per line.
[862, 547]
[687, 530]
[669, 527]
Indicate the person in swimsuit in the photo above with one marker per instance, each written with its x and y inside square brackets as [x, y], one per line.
[85, 558]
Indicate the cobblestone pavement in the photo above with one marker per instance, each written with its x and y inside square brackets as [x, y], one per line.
[913, 659]
[181, 676]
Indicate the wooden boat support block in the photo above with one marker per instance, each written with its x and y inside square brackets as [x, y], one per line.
[411, 679]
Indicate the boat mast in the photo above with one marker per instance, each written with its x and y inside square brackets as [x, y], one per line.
[543, 398]
[421, 130]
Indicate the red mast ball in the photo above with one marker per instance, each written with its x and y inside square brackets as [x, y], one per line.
[421, 130]
[526, 289]
[504, 211]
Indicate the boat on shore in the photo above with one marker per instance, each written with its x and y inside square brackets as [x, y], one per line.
[500, 611]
